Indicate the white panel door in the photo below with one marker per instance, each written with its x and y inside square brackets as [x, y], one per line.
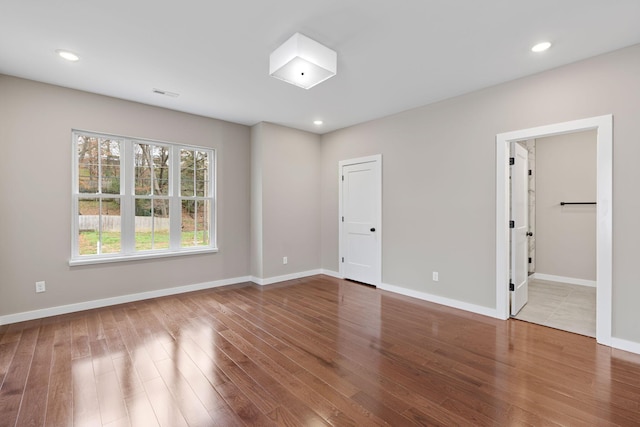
[519, 233]
[361, 243]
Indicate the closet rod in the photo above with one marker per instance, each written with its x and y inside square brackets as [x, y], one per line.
[578, 203]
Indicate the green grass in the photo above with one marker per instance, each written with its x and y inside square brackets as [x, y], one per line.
[88, 241]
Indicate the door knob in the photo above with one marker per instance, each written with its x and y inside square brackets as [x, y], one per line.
[373, 229]
[529, 233]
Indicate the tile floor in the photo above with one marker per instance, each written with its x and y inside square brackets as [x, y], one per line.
[561, 306]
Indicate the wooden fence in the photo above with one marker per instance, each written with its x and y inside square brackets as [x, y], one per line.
[112, 223]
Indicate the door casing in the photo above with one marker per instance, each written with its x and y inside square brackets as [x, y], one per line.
[341, 241]
[604, 228]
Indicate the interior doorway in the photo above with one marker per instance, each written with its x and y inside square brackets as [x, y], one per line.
[360, 219]
[561, 254]
[603, 125]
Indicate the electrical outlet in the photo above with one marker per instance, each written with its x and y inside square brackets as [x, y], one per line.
[40, 287]
[284, 260]
[435, 276]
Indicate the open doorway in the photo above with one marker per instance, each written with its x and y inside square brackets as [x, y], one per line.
[603, 126]
[561, 243]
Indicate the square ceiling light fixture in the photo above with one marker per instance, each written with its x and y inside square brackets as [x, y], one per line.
[303, 62]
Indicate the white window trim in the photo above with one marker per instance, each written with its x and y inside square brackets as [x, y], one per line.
[127, 198]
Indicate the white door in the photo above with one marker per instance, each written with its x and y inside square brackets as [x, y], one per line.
[360, 237]
[519, 232]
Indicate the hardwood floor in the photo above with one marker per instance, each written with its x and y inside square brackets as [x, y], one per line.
[310, 352]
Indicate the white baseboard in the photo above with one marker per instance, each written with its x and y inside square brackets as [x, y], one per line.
[292, 276]
[617, 343]
[332, 274]
[562, 279]
[630, 346]
[87, 305]
[485, 311]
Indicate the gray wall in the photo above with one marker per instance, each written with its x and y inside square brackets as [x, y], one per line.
[566, 235]
[256, 201]
[35, 183]
[439, 178]
[287, 198]
[438, 188]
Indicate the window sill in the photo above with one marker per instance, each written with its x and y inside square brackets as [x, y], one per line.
[139, 256]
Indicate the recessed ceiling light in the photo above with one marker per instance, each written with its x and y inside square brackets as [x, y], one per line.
[541, 47]
[317, 122]
[69, 56]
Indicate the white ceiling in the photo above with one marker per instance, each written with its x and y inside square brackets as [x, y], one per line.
[392, 55]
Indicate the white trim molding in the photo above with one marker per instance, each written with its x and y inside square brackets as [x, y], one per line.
[278, 279]
[461, 305]
[332, 273]
[87, 305]
[563, 279]
[604, 229]
[630, 346]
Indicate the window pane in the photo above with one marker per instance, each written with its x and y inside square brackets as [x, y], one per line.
[202, 174]
[88, 226]
[160, 171]
[151, 169]
[110, 235]
[144, 224]
[195, 223]
[160, 224]
[88, 168]
[110, 166]
[99, 230]
[152, 224]
[187, 175]
[142, 164]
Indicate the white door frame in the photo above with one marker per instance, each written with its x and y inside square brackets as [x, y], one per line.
[341, 242]
[604, 235]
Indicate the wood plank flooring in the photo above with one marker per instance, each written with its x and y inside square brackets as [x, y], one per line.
[310, 352]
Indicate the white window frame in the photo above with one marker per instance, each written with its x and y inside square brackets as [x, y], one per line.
[127, 198]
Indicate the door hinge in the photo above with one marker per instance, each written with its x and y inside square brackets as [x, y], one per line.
[529, 260]
[511, 286]
[512, 161]
[343, 177]
[342, 219]
[530, 173]
[342, 259]
[512, 224]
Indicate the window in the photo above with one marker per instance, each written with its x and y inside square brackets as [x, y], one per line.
[136, 198]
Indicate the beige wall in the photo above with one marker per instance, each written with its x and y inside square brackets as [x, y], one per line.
[256, 201]
[287, 197]
[566, 235]
[439, 177]
[438, 188]
[35, 183]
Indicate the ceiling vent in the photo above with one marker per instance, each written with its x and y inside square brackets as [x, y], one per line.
[166, 93]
